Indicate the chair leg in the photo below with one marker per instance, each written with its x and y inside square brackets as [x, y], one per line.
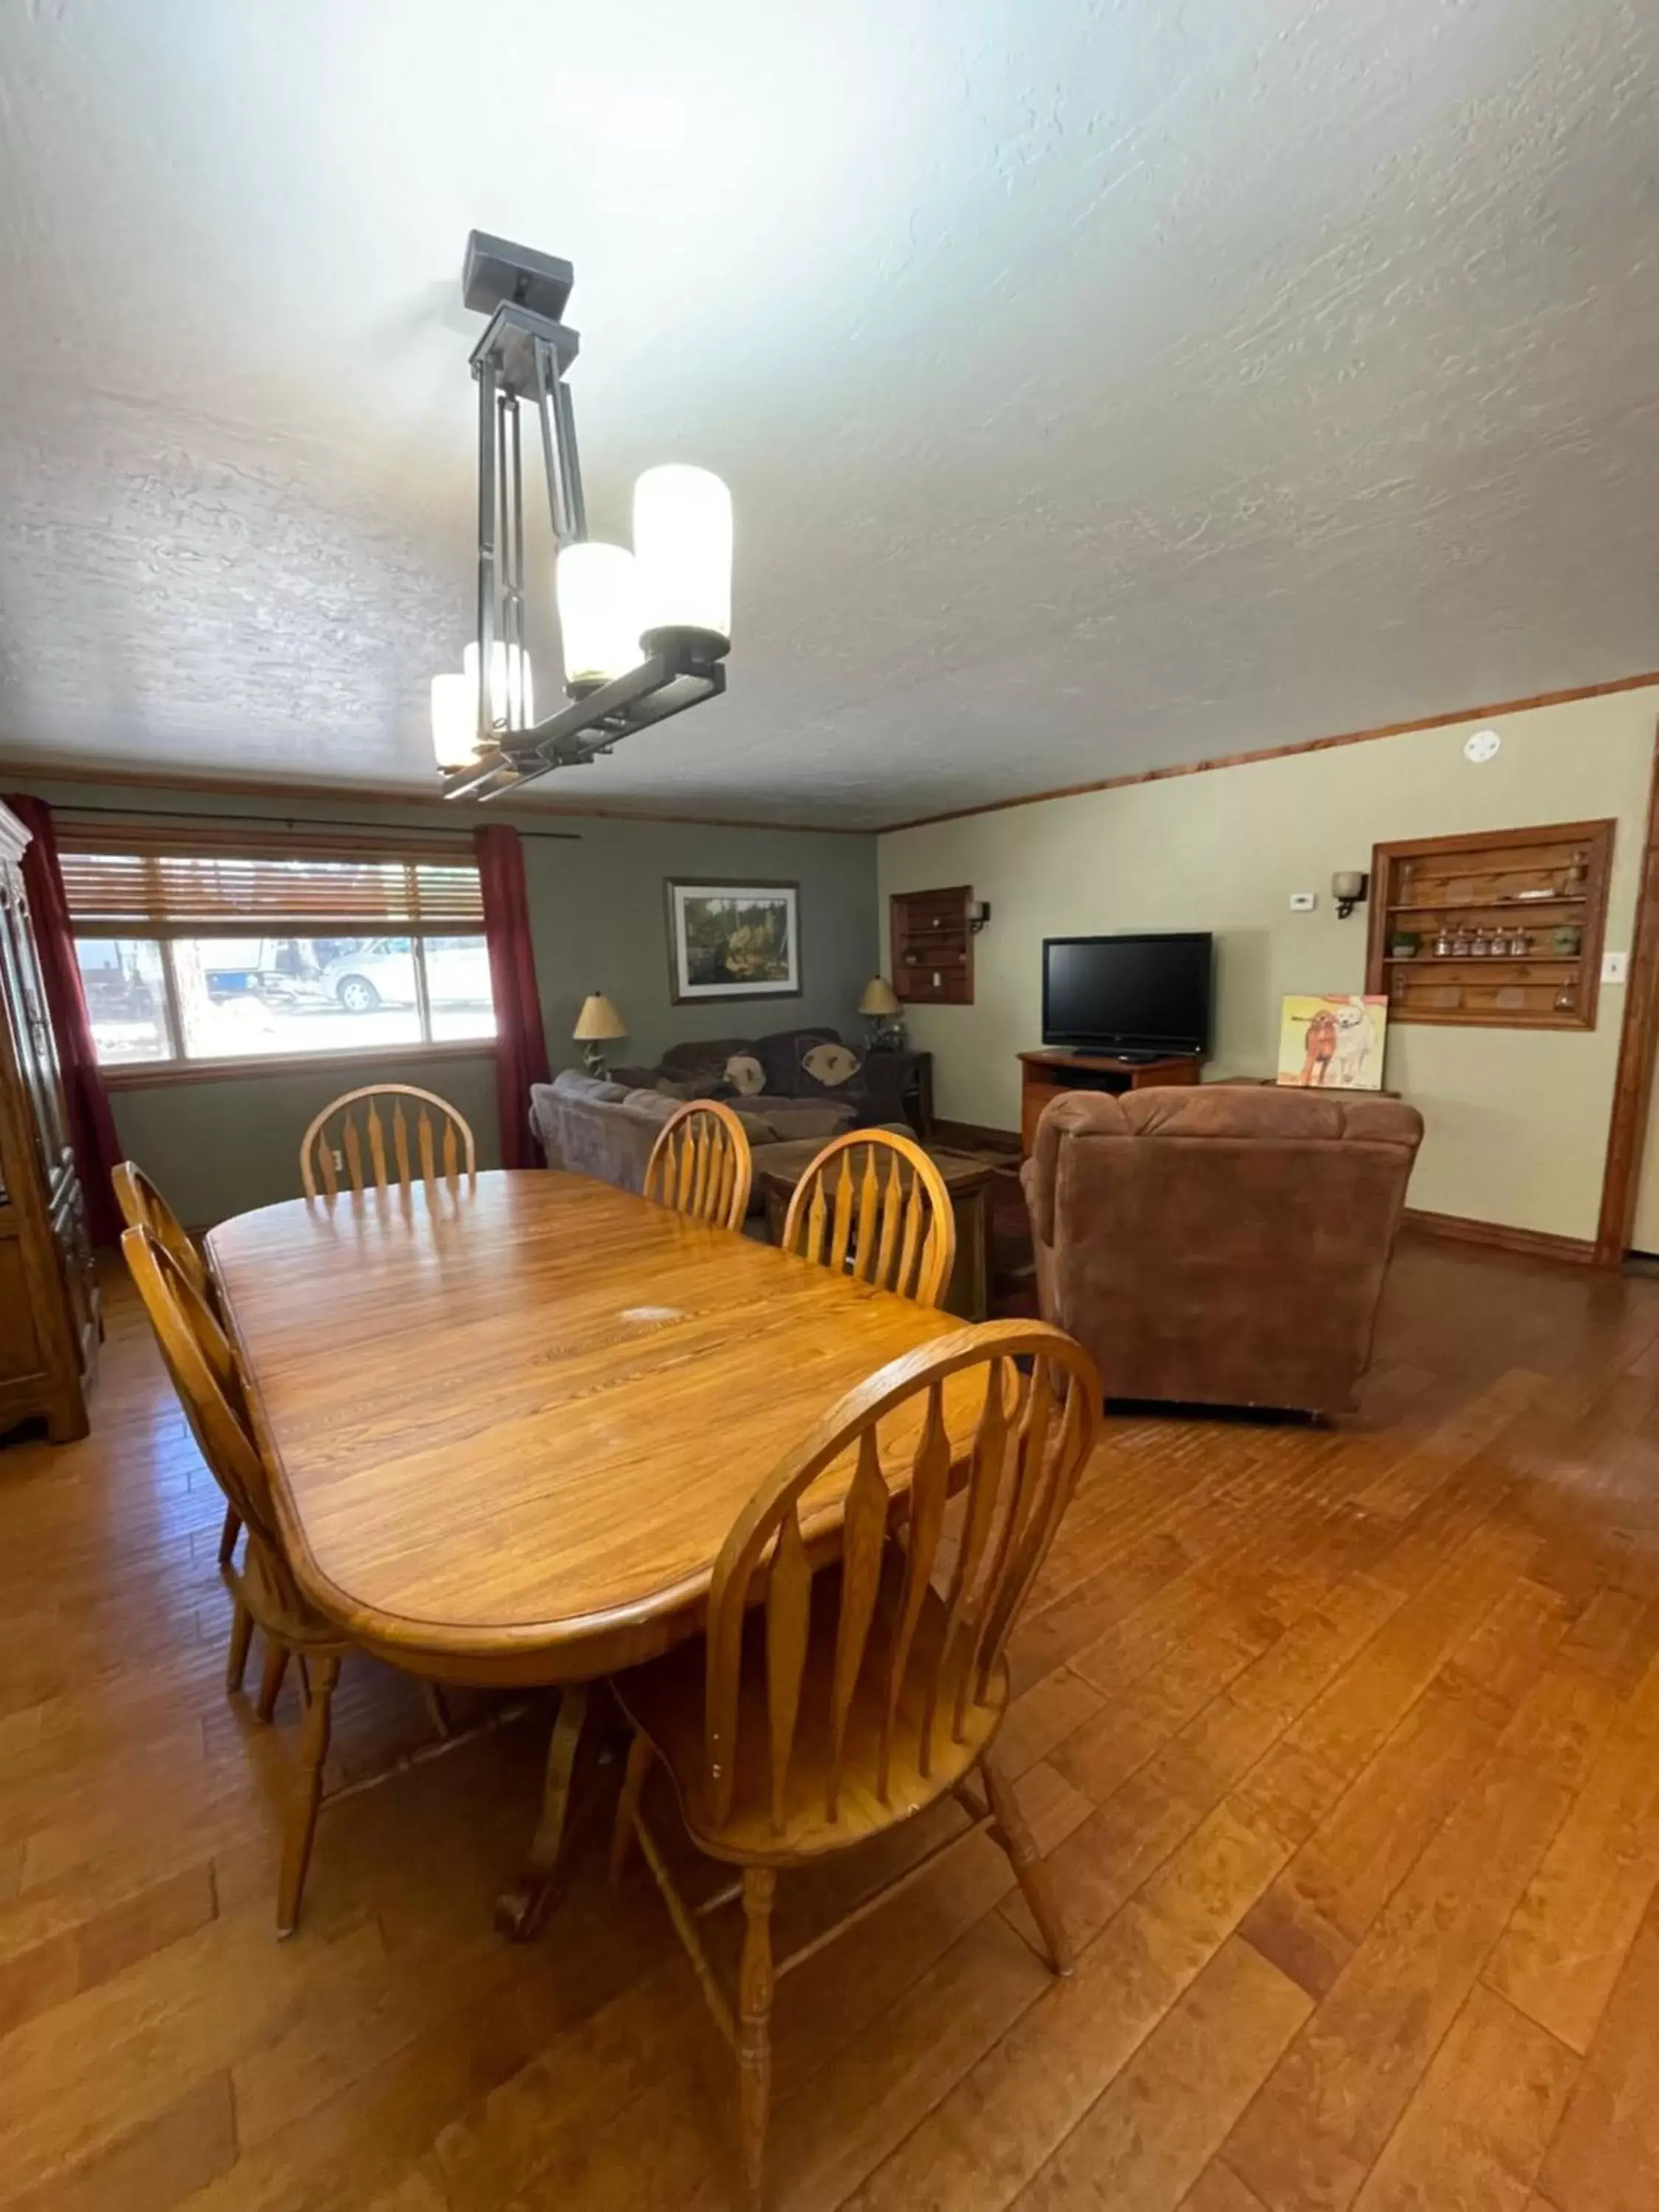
[231, 1531]
[627, 1805]
[241, 1635]
[308, 1795]
[1030, 1869]
[271, 1680]
[437, 1706]
[755, 1985]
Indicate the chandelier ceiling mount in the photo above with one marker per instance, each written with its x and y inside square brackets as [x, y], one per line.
[644, 636]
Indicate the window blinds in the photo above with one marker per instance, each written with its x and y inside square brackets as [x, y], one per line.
[143, 883]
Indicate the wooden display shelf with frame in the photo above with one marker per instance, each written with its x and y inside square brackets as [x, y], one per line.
[1534, 889]
[932, 946]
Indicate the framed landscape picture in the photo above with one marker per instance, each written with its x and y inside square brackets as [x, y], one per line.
[733, 941]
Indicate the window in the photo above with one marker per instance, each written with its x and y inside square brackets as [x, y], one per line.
[357, 948]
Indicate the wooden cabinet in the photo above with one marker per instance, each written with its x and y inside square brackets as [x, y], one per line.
[1499, 930]
[1047, 1075]
[50, 1316]
[932, 947]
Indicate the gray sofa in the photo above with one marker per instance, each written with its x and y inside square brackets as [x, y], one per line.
[606, 1130]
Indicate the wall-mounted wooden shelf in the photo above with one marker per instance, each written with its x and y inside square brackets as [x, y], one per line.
[932, 946]
[1504, 905]
[1547, 887]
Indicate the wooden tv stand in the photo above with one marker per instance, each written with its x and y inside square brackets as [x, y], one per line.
[1046, 1075]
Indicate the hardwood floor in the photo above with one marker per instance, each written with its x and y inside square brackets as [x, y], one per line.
[1344, 1743]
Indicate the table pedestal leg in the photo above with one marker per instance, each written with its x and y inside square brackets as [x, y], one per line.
[520, 1910]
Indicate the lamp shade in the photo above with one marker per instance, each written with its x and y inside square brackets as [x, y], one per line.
[880, 1000]
[682, 549]
[512, 691]
[454, 720]
[598, 613]
[598, 1019]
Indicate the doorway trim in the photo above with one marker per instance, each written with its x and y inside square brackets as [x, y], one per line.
[1639, 1043]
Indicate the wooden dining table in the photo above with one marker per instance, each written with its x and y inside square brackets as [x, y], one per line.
[511, 1419]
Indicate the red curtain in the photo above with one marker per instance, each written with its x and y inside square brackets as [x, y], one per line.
[91, 1125]
[520, 1040]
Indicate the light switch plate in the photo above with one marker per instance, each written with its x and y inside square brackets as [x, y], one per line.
[1304, 901]
[1615, 967]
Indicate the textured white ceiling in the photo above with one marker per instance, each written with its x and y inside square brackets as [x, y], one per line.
[1103, 384]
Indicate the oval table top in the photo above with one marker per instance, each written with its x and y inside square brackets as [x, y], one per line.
[512, 1421]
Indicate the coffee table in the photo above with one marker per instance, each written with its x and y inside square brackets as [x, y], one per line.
[967, 1180]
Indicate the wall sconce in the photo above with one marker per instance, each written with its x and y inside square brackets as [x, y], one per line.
[1348, 887]
[979, 913]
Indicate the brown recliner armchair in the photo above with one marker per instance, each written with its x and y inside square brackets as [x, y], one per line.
[1223, 1244]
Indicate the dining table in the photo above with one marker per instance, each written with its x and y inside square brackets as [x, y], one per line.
[511, 1418]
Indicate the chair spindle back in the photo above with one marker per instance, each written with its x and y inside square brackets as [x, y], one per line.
[1034, 1434]
[143, 1206]
[873, 1205]
[379, 1149]
[197, 1355]
[700, 1164]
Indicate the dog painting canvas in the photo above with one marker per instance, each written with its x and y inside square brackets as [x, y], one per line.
[1332, 1043]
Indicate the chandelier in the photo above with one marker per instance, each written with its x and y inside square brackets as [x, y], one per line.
[643, 633]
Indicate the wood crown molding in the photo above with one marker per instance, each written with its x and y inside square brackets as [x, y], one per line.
[22, 768]
[27, 769]
[1284, 752]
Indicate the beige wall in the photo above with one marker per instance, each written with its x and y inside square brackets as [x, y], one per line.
[1516, 1122]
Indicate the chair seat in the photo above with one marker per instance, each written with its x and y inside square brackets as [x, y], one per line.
[665, 1701]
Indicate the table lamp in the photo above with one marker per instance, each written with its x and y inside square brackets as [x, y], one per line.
[880, 1007]
[598, 1022]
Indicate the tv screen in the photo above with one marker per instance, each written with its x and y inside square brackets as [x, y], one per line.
[1138, 993]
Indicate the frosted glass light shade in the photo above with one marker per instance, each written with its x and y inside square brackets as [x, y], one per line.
[454, 720]
[503, 697]
[683, 550]
[880, 1000]
[598, 613]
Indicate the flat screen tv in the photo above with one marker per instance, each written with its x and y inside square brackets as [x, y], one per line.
[1127, 994]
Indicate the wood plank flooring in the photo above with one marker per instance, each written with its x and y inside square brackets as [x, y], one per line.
[1345, 1744]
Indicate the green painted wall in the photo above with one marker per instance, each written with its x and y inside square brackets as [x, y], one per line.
[596, 911]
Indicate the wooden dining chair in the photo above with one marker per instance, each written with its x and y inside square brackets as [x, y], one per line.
[701, 1165]
[143, 1206]
[821, 1711]
[874, 1206]
[356, 1138]
[199, 1358]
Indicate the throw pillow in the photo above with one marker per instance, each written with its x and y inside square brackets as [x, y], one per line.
[745, 1076]
[831, 1065]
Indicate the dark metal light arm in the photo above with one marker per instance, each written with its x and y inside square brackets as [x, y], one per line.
[682, 675]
